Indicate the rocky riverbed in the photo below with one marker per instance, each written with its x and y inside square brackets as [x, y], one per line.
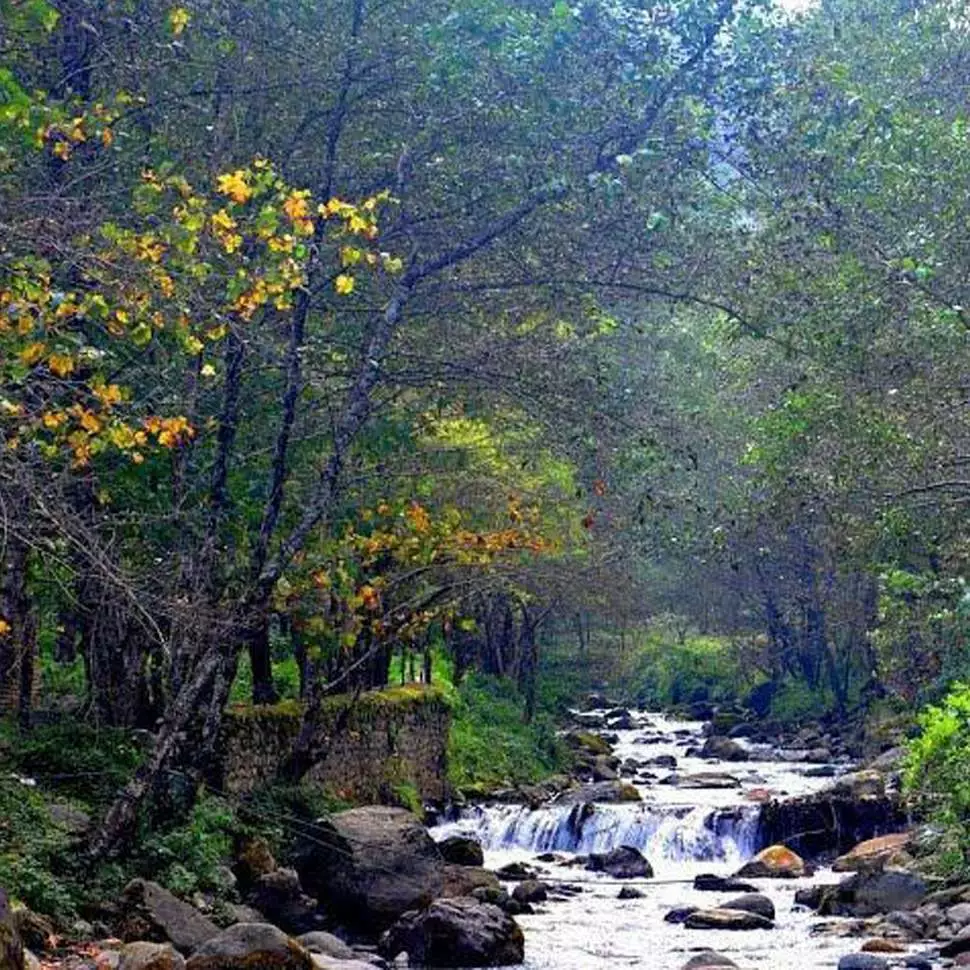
[698, 807]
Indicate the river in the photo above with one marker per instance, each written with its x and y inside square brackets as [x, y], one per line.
[683, 832]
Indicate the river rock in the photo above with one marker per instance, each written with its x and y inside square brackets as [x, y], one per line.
[724, 749]
[869, 893]
[248, 945]
[679, 914]
[707, 959]
[373, 864]
[456, 933]
[531, 891]
[706, 779]
[516, 872]
[860, 784]
[462, 850]
[882, 945]
[327, 944]
[152, 913]
[602, 769]
[811, 896]
[959, 944]
[873, 853]
[625, 862]
[464, 880]
[775, 862]
[150, 956]
[253, 859]
[959, 915]
[662, 761]
[629, 892]
[706, 882]
[752, 903]
[862, 961]
[588, 742]
[279, 896]
[604, 791]
[726, 919]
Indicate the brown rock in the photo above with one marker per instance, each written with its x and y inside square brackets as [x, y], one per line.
[873, 853]
[150, 956]
[253, 860]
[775, 862]
[247, 946]
[882, 946]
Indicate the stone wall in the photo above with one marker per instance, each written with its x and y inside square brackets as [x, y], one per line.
[365, 748]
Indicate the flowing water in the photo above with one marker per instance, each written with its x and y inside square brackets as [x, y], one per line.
[683, 832]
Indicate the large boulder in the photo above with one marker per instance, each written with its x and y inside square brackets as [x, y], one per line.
[625, 862]
[724, 749]
[868, 893]
[247, 946]
[859, 784]
[775, 862]
[462, 850]
[726, 919]
[456, 933]
[152, 913]
[873, 853]
[370, 865]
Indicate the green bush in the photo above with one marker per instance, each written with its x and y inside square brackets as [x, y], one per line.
[794, 702]
[34, 852]
[666, 671]
[491, 745]
[936, 776]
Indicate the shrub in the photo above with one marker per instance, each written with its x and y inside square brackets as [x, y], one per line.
[936, 776]
[491, 745]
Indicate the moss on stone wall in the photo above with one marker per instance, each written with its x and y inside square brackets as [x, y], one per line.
[370, 746]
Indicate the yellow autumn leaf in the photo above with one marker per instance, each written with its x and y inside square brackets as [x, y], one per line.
[344, 284]
[234, 185]
[178, 20]
[60, 364]
[32, 353]
[5, 627]
[207, 370]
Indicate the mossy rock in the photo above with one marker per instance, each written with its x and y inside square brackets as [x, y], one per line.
[587, 741]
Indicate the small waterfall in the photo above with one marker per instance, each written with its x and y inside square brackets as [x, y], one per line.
[675, 833]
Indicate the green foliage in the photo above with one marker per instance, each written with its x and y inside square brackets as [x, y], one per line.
[795, 702]
[936, 776]
[667, 670]
[491, 745]
[407, 796]
[33, 852]
[186, 858]
[75, 759]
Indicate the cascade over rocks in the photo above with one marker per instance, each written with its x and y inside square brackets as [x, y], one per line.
[456, 933]
[856, 808]
[374, 864]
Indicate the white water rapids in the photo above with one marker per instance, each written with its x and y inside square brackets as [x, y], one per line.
[683, 832]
